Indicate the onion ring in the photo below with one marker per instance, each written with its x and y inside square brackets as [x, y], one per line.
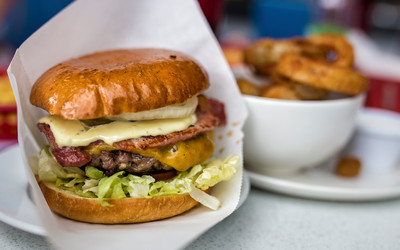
[280, 91]
[304, 92]
[344, 55]
[248, 88]
[307, 92]
[321, 75]
[265, 53]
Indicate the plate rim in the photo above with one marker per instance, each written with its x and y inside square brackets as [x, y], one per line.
[23, 225]
[321, 192]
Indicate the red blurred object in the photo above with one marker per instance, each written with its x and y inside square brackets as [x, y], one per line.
[8, 110]
[212, 9]
[384, 93]
[8, 123]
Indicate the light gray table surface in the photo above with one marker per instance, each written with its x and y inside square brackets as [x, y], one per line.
[272, 221]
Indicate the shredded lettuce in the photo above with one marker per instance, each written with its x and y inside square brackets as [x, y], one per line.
[94, 173]
[118, 192]
[217, 170]
[106, 186]
[138, 190]
[50, 170]
[93, 183]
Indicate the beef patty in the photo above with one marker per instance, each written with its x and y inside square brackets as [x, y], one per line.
[114, 161]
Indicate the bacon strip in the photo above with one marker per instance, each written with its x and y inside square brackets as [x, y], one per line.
[210, 113]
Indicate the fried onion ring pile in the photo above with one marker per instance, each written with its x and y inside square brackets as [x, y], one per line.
[305, 68]
[321, 75]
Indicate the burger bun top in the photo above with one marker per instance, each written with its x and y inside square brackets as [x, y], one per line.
[113, 82]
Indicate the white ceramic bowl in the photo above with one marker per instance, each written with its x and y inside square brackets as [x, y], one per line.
[282, 137]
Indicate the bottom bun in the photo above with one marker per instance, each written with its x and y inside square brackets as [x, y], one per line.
[127, 210]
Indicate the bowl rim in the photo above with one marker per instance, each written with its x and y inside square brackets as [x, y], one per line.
[295, 103]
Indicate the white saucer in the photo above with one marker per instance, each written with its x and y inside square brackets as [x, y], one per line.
[322, 183]
[17, 209]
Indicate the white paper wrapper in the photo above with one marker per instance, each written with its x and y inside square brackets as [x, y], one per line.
[87, 26]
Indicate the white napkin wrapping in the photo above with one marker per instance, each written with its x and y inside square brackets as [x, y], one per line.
[87, 26]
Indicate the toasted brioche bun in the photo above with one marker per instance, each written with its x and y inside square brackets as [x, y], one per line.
[128, 210]
[118, 81]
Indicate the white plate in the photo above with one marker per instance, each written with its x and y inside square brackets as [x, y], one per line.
[321, 183]
[18, 210]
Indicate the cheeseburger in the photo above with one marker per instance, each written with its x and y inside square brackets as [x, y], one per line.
[130, 136]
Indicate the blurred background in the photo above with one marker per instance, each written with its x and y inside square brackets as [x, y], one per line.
[239, 19]
[251, 19]
[373, 26]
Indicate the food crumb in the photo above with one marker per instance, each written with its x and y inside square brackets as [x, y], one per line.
[220, 137]
[238, 141]
[221, 150]
[348, 166]
[235, 124]
[230, 133]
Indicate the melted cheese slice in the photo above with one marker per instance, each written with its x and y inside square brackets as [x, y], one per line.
[74, 133]
[180, 155]
[185, 154]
